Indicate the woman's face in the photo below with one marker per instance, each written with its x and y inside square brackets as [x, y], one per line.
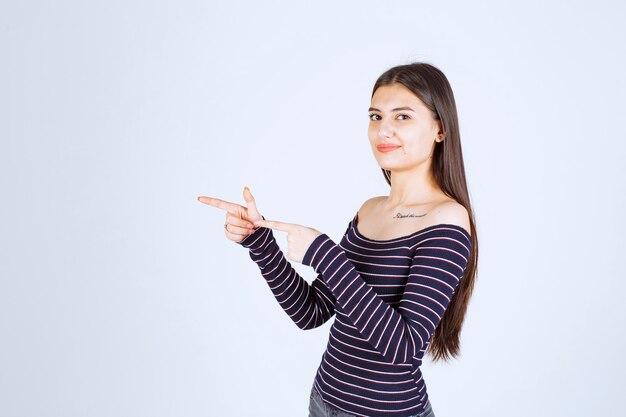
[402, 131]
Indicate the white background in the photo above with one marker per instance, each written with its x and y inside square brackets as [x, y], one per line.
[119, 293]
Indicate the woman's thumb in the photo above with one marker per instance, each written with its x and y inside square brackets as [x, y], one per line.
[250, 203]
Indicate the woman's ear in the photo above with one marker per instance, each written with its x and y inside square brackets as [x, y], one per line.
[440, 136]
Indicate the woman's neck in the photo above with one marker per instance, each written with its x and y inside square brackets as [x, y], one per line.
[410, 188]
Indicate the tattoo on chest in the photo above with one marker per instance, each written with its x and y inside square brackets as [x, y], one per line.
[400, 216]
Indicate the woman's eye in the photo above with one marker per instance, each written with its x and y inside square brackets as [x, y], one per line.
[400, 116]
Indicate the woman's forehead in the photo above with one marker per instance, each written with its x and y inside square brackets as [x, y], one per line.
[393, 96]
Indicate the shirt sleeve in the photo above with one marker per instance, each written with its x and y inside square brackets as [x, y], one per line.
[437, 265]
[308, 305]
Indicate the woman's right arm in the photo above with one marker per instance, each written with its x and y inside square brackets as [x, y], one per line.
[308, 305]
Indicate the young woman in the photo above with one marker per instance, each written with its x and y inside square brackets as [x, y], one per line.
[400, 280]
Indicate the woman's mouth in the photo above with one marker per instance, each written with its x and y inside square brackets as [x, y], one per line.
[387, 148]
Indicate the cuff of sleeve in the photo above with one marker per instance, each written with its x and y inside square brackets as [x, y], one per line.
[255, 239]
[317, 251]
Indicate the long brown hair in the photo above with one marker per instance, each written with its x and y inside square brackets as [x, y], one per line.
[431, 86]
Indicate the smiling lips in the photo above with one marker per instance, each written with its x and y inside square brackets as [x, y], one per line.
[387, 148]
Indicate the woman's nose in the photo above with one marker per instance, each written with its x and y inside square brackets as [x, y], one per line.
[385, 131]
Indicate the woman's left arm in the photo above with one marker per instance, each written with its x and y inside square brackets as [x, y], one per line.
[398, 334]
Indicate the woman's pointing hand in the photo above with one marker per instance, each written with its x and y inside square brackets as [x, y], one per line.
[299, 238]
[239, 219]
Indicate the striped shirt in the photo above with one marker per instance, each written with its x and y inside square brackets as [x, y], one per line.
[388, 297]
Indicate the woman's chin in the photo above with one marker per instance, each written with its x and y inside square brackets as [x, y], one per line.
[388, 167]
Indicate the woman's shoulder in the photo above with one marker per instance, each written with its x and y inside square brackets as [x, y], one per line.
[369, 204]
[373, 200]
[451, 212]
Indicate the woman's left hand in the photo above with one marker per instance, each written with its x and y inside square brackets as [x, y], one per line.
[299, 238]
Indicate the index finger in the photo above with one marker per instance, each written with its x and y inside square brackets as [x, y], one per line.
[216, 202]
[273, 224]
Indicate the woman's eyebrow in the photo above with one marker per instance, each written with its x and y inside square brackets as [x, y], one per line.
[396, 109]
